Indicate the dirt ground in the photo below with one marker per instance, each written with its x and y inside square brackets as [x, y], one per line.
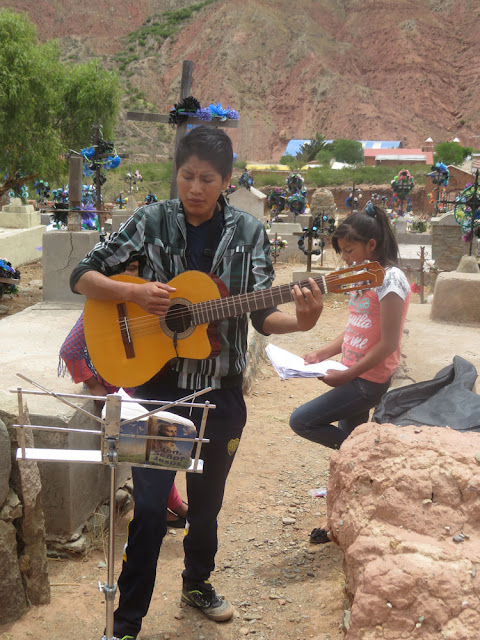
[282, 587]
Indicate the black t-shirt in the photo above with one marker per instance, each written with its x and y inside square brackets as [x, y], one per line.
[198, 241]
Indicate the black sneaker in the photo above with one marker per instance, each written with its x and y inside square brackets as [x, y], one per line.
[202, 596]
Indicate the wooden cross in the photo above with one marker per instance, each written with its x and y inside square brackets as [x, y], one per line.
[185, 89]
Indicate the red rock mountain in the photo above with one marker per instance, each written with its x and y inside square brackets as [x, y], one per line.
[364, 69]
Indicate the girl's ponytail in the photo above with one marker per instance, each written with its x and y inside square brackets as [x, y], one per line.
[372, 222]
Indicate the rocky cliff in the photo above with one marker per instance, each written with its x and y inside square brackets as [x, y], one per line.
[365, 69]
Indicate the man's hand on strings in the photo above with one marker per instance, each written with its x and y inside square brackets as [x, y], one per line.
[153, 297]
[308, 305]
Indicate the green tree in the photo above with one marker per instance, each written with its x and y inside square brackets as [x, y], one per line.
[309, 150]
[451, 153]
[324, 156]
[46, 107]
[348, 151]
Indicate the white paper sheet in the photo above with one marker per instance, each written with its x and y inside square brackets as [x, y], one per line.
[288, 365]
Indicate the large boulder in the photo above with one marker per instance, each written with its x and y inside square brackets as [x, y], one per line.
[5, 462]
[404, 505]
[12, 592]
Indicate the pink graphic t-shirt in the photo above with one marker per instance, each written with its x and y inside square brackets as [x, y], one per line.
[363, 324]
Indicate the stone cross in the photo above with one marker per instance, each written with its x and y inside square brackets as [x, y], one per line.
[185, 89]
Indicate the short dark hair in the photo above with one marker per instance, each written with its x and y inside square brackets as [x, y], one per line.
[209, 143]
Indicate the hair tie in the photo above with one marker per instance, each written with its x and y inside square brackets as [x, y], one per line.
[370, 210]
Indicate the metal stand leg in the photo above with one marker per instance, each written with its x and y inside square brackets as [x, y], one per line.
[110, 587]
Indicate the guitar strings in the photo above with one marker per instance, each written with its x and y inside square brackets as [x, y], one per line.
[140, 324]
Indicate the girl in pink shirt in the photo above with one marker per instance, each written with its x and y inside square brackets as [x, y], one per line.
[370, 344]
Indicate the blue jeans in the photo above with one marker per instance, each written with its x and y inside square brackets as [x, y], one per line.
[349, 404]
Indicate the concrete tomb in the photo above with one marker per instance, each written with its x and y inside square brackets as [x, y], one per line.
[17, 215]
[252, 201]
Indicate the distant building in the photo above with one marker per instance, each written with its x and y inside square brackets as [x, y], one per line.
[428, 145]
[398, 156]
[294, 146]
[381, 144]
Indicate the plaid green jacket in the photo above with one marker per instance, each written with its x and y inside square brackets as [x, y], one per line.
[157, 234]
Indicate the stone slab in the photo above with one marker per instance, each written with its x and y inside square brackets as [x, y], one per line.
[410, 254]
[16, 206]
[410, 237]
[291, 250]
[456, 298]
[119, 218]
[303, 219]
[62, 251]
[19, 220]
[20, 246]
[282, 228]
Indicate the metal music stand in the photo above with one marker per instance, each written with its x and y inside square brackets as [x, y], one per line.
[108, 452]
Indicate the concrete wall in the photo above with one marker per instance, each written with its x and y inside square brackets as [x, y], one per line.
[447, 244]
[62, 251]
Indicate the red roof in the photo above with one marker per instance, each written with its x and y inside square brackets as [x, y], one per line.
[399, 152]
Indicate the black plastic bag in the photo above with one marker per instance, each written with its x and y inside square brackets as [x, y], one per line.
[445, 401]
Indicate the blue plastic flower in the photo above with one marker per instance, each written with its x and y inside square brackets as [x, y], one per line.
[88, 152]
[232, 114]
[217, 110]
[204, 114]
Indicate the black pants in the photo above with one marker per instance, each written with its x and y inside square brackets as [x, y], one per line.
[204, 493]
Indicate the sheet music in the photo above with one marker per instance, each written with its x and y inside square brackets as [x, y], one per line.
[288, 365]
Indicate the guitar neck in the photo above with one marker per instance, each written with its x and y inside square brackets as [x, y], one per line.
[231, 306]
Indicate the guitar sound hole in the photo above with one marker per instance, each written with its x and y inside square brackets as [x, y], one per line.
[178, 318]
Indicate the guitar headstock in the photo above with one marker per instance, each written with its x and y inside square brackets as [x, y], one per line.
[361, 276]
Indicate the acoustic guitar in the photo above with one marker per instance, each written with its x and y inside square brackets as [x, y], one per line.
[128, 346]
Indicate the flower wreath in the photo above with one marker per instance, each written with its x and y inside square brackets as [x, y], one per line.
[463, 210]
[295, 183]
[150, 198]
[350, 201]
[439, 174]
[276, 198]
[190, 106]
[92, 159]
[278, 245]
[297, 203]
[19, 191]
[246, 180]
[7, 271]
[42, 188]
[314, 233]
[402, 184]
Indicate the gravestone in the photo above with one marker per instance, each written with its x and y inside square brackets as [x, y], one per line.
[119, 216]
[323, 200]
[250, 200]
[447, 244]
[456, 298]
[17, 215]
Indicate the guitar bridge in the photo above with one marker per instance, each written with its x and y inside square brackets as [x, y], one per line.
[125, 331]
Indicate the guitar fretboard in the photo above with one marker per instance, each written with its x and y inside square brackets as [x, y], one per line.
[231, 306]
